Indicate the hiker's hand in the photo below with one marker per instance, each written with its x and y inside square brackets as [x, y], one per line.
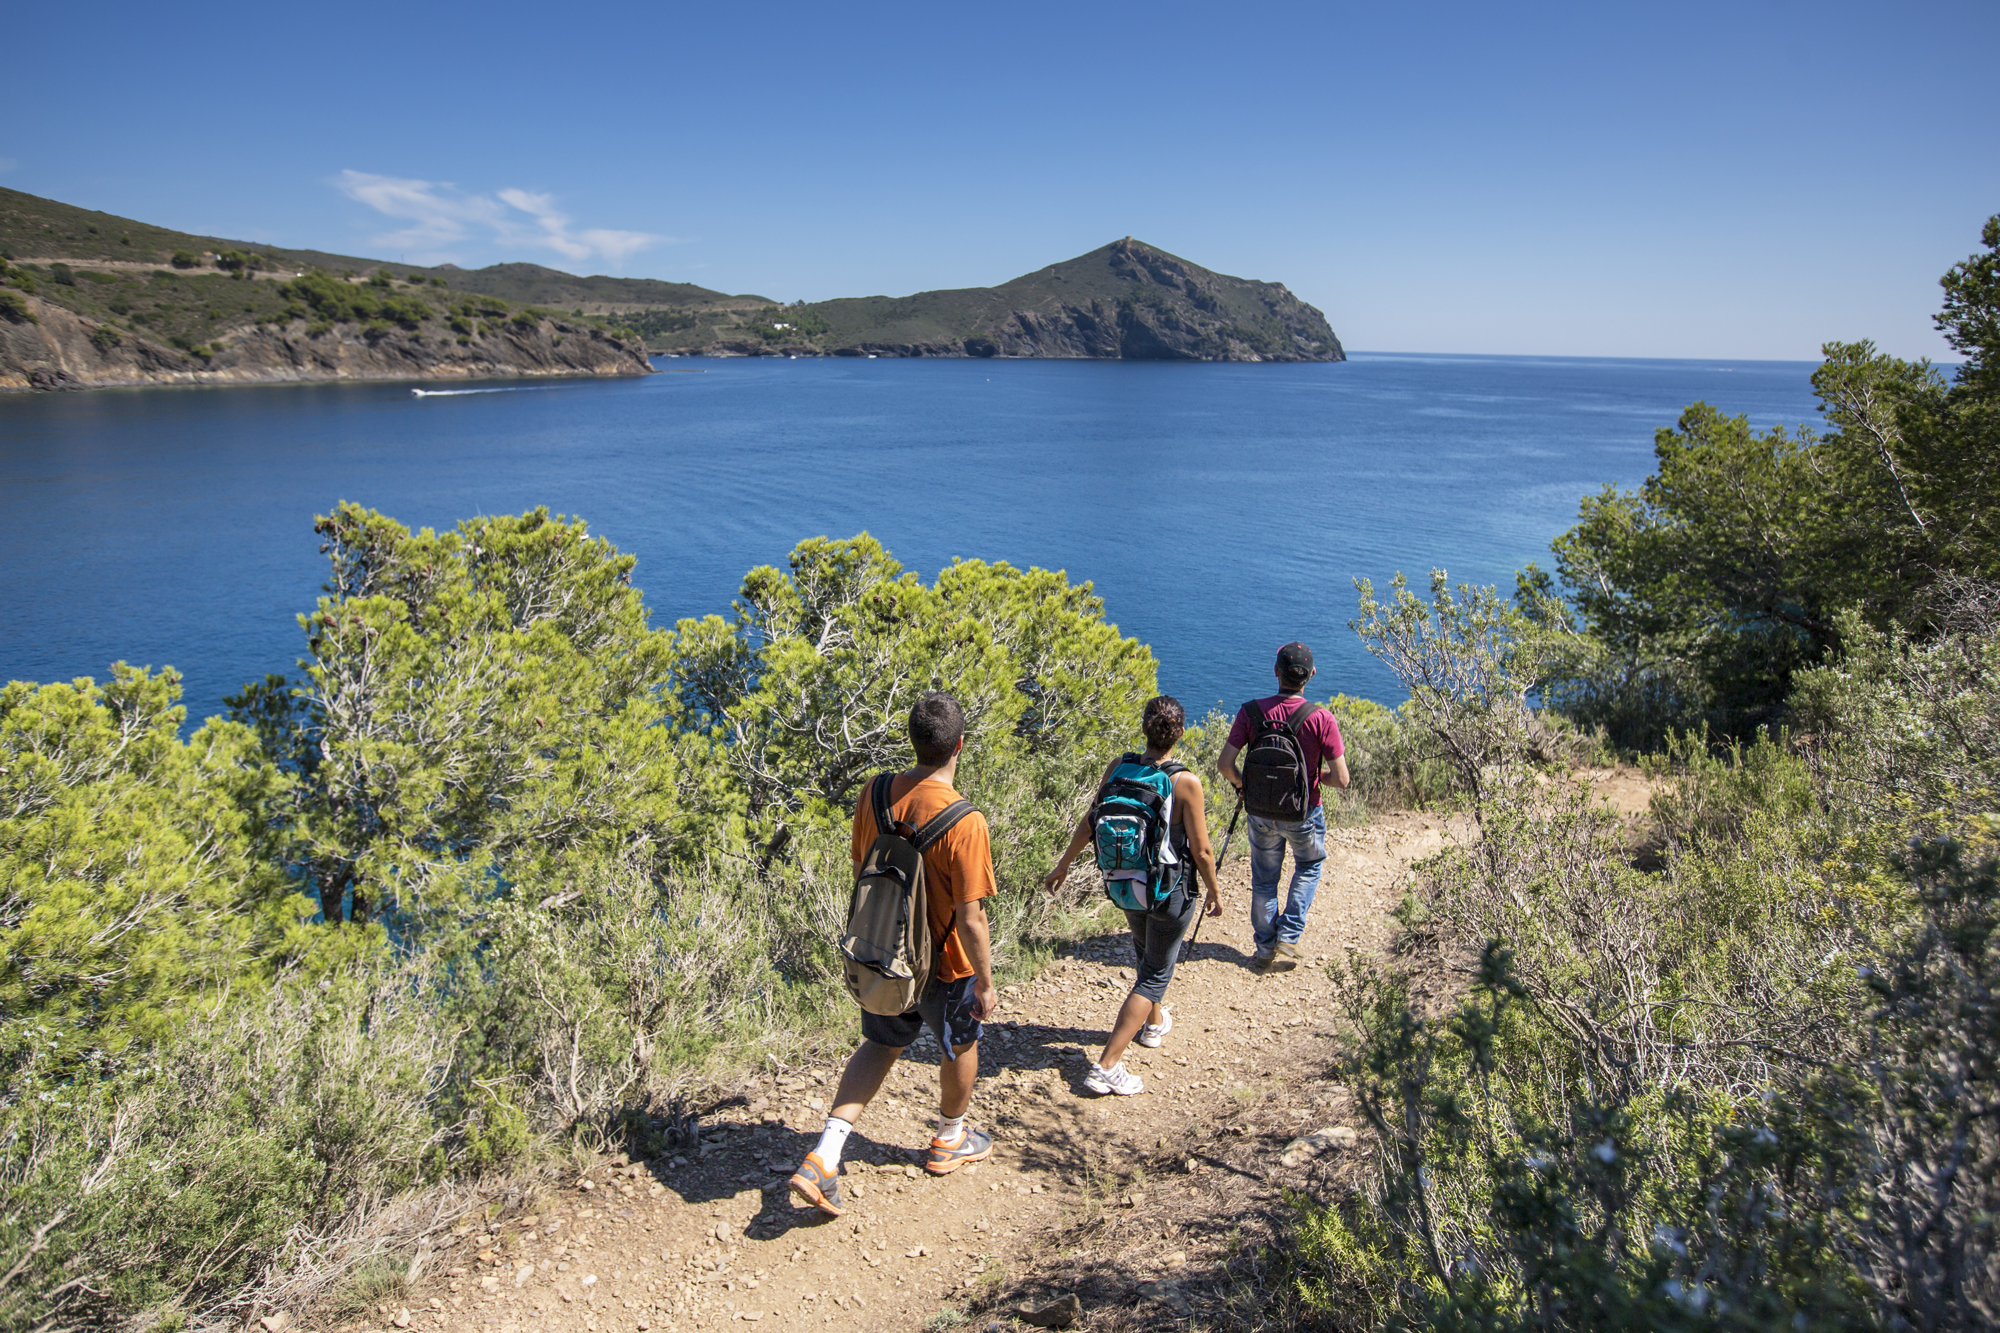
[1214, 903]
[985, 1000]
[1054, 879]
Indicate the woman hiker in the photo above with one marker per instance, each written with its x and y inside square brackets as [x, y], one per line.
[1156, 932]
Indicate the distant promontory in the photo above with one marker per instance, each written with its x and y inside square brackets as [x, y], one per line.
[1127, 301]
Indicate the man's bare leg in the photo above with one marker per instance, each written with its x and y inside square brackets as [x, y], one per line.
[862, 1079]
[955, 1145]
[817, 1181]
[955, 1079]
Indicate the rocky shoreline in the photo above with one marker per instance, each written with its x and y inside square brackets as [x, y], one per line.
[44, 346]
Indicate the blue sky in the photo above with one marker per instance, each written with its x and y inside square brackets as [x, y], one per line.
[1739, 180]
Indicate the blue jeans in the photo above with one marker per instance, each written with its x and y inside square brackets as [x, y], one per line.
[1268, 840]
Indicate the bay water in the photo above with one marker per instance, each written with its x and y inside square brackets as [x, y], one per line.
[1219, 510]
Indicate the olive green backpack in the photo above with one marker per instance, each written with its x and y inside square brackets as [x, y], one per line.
[888, 952]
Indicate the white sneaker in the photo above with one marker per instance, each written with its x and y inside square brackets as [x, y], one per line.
[1149, 1035]
[1116, 1079]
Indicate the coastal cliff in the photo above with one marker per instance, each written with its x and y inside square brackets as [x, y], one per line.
[46, 346]
[1127, 301]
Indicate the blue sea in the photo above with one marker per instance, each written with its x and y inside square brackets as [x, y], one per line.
[1219, 510]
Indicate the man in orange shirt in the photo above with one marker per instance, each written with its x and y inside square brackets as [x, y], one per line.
[958, 873]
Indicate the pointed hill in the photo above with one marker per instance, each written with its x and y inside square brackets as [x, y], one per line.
[1126, 300]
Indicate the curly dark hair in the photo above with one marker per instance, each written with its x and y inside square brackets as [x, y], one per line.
[1163, 721]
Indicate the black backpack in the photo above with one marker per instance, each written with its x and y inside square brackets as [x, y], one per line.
[1277, 782]
[888, 954]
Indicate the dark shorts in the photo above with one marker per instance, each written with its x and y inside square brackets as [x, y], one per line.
[945, 1009]
[1156, 940]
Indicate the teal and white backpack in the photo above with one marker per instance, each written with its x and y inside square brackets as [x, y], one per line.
[1131, 828]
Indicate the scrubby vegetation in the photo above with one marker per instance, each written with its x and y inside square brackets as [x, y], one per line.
[505, 865]
[1743, 1078]
[198, 310]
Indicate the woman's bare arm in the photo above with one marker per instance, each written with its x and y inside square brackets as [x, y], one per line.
[1193, 808]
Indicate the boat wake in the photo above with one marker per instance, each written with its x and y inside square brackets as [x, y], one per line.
[511, 388]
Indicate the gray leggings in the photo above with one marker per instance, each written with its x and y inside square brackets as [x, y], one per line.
[1156, 941]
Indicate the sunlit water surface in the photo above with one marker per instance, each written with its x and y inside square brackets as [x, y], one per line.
[1220, 510]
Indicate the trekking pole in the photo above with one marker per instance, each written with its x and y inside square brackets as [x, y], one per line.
[1187, 945]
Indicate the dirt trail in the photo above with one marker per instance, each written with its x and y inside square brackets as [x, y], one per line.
[712, 1237]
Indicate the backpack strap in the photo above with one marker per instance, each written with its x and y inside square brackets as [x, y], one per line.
[1291, 724]
[878, 794]
[941, 823]
[1144, 792]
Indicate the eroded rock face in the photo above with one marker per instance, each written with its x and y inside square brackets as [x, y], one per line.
[1164, 309]
[1124, 301]
[58, 349]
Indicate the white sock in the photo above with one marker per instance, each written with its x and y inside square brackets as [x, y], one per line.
[832, 1140]
[950, 1127]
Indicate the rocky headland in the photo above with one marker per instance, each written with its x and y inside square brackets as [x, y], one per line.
[45, 346]
[1124, 301]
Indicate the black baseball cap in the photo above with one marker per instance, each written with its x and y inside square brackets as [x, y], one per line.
[1295, 662]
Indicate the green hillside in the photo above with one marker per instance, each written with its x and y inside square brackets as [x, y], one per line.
[37, 230]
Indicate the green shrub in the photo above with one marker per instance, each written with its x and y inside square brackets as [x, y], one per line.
[1741, 1091]
[104, 337]
[185, 259]
[15, 310]
[62, 275]
[347, 303]
[177, 1180]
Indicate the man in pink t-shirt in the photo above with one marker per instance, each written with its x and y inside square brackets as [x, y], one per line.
[1278, 932]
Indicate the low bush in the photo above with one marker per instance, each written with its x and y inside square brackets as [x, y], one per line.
[334, 301]
[1749, 1089]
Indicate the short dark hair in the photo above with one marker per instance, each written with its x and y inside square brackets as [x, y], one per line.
[936, 724]
[1163, 721]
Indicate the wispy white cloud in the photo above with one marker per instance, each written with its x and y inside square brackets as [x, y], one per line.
[441, 217]
[556, 234]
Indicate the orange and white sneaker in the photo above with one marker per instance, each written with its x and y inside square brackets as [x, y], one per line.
[818, 1186]
[945, 1158]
